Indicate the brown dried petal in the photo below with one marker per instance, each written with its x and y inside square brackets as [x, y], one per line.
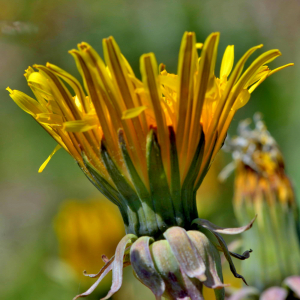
[194, 287]
[109, 262]
[117, 267]
[243, 256]
[106, 269]
[210, 256]
[105, 258]
[215, 228]
[177, 282]
[185, 252]
[224, 248]
[144, 268]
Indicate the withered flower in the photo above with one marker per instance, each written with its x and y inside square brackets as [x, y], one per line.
[263, 188]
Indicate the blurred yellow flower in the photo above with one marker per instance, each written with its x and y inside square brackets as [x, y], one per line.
[86, 230]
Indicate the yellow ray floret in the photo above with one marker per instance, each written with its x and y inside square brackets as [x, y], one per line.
[193, 102]
[133, 112]
[43, 166]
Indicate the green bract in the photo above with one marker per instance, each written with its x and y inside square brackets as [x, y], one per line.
[178, 265]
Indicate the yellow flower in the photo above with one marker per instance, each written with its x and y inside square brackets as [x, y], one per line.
[113, 125]
[147, 145]
[85, 229]
[195, 100]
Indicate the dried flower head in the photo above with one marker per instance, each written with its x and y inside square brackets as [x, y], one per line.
[263, 188]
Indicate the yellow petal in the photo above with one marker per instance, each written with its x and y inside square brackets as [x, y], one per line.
[125, 88]
[228, 94]
[149, 71]
[140, 91]
[53, 107]
[50, 119]
[136, 82]
[199, 45]
[117, 67]
[43, 166]
[99, 91]
[133, 112]
[280, 68]
[227, 62]
[25, 102]
[241, 100]
[40, 83]
[213, 60]
[186, 70]
[206, 70]
[78, 103]
[266, 75]
[28, 72]
[169, 81]
[261, 72]
[250, 72]
[254, 86]
[74, 83]
[88, 123]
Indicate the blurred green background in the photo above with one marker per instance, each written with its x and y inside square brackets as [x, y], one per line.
[29, 251]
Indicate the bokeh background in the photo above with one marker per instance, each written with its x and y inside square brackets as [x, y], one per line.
[42, 248]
